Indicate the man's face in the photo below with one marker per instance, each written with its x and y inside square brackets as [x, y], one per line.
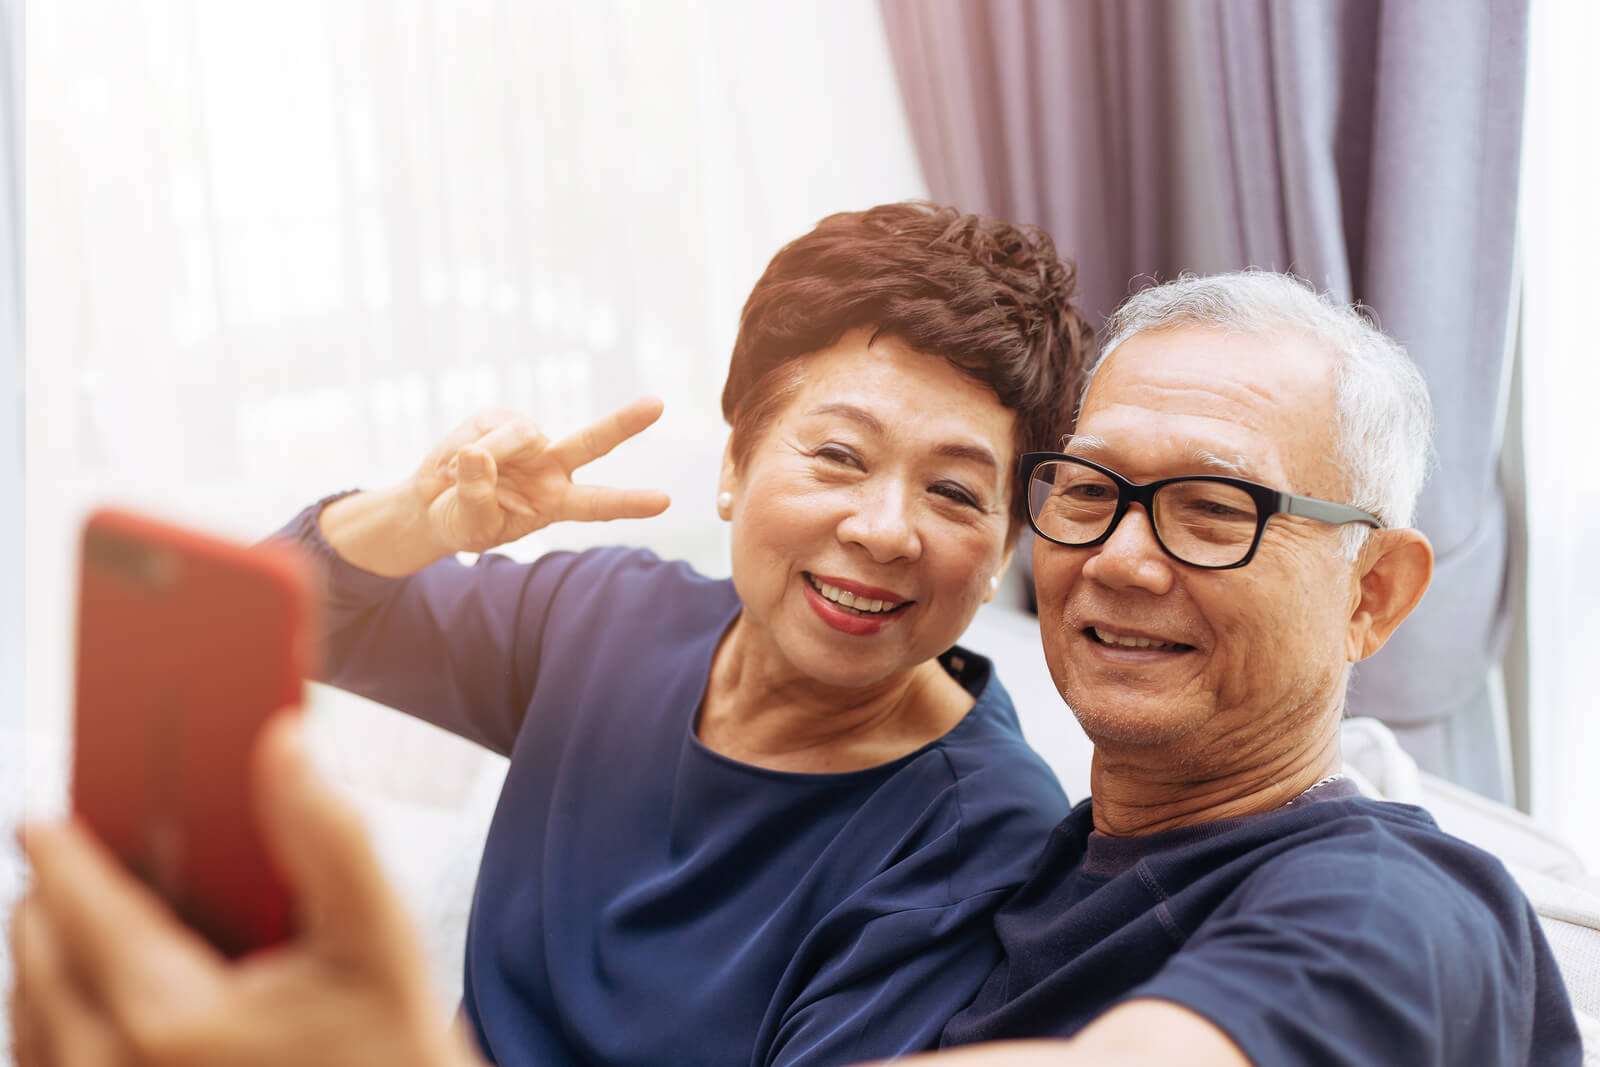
[1149, 651]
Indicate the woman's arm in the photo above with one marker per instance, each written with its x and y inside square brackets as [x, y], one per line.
[383, 531]
[408, 626]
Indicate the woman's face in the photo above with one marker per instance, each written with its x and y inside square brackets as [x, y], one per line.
[871, 513]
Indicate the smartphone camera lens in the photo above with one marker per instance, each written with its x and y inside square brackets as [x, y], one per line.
[147, 565]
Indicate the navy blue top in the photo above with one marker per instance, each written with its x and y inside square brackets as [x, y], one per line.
[644, 900]
[1336, 930]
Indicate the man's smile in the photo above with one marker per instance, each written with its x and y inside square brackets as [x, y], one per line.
[1110, 638]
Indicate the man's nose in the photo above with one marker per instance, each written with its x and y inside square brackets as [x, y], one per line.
[1132, 557]
[881, 521]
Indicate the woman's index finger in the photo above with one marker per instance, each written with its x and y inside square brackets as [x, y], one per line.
[600, 437]
[597, 503]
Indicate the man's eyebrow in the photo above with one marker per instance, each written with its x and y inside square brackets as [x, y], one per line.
[1234, 465]
[967, 450]
[1093, 446]
[1087, 445]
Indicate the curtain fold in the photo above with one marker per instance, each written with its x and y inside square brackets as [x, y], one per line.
[1371, 147]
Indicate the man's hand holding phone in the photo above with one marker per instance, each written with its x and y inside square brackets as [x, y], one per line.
[107, 975]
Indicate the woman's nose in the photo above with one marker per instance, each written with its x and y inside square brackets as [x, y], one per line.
[881, 521]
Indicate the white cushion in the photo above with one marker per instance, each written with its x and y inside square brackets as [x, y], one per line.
[1570, 915]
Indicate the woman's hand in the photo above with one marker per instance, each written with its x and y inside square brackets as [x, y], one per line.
[107, 977]
[496, 478]
[493, 479]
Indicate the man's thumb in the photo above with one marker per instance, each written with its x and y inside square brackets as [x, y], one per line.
[346, 908]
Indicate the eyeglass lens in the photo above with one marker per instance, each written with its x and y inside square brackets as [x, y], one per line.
[1209, 524]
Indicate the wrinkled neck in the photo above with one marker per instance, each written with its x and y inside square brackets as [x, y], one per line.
[1147, 790]
[759, 710]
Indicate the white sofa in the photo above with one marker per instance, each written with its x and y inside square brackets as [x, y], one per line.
[427, 797]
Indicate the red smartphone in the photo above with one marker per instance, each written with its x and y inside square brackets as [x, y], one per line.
[187, 644]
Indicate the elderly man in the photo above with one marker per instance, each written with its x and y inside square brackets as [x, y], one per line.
[1223, 537]
[1225, 534]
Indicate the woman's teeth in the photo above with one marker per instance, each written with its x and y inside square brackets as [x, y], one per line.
[846, 599]
[1118, 641]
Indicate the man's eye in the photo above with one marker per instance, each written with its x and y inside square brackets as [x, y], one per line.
[1089, 491]
[1217, 509]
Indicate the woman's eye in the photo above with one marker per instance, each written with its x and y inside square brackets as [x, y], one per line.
[837, 454]
[957, 493]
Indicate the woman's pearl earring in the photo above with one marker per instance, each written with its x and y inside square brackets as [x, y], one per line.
[725, 504]
[994, 584]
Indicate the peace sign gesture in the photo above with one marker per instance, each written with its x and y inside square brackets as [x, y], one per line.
[491, 480]
[497, 477]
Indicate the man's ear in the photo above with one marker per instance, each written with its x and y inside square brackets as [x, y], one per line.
[1395, 568]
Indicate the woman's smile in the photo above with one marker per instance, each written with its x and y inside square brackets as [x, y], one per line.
[850, 607]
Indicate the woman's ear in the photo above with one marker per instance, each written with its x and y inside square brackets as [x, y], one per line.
[1394, 569]
[999, 574]
[727, 482]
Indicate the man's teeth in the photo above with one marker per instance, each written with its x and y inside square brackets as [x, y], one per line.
[847, 599]
[1134, 642]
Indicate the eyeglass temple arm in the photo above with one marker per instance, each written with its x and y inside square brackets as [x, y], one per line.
[1324, 510]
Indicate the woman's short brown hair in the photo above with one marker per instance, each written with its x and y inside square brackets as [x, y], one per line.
[992, 298]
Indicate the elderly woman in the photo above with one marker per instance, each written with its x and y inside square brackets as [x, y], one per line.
[764, 820]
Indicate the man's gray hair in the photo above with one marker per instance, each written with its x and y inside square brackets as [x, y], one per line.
[1385, 429]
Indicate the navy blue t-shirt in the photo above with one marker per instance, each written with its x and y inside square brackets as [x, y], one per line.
[644, 900]
[1334, 930]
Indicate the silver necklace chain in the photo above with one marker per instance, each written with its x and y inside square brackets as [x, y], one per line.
[1319, 784]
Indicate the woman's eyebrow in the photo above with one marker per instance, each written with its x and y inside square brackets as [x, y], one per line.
[976, 453]
[967, 450]
[866, 418]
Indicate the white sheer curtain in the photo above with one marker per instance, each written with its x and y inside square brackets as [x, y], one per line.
[278, 248]
[13, 744]
[1561, 388]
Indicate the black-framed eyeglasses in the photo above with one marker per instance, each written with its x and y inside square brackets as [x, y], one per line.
[1206, 520]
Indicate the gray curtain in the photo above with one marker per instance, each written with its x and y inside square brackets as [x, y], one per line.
[1370, 146]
